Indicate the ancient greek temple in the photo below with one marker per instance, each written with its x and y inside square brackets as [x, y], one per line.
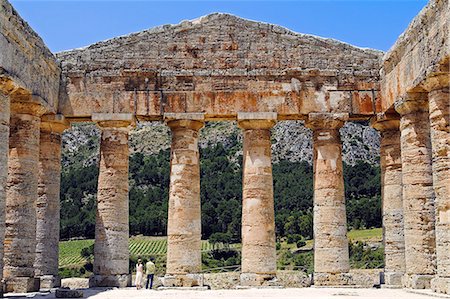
[222, 68]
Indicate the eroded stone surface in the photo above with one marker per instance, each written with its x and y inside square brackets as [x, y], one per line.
[22, 192]
[4, 149]
[418, 194]
[184, 219]
[331, 256]
[48, 202]
[258, 215]
[220, 65]
[439, 103]
[392, 205]
[25, 62]
[111, 253]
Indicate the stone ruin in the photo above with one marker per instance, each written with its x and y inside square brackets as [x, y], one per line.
[222, 67]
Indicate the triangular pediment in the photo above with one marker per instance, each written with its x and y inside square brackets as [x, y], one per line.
[221, 42]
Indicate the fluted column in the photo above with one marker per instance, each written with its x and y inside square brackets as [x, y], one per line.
[4, 146]
[392, 200]
[48, 201]
[111, 254]
[331, 255]
[439, 105]
[184, 215]
[22, 192]
[258, 264]
[418, 194]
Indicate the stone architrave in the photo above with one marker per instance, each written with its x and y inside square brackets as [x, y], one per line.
[331, 255]
[392, 199]
[21, 195]
[258, 215]
[4, 146]
[111, 253]
[48, 201]
[184, 215]
[418, 194]
[439, 108]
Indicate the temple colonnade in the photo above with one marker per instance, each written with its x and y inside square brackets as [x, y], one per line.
[415, 180]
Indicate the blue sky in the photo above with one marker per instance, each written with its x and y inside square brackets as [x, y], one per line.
[71, 24]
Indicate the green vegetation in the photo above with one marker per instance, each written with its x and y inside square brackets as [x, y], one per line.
[366, 235]
[221, 193]
[76, 256]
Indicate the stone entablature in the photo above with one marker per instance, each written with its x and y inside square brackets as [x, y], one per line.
[421, 53]
[222, 67]
[26, 65]
[219, 65]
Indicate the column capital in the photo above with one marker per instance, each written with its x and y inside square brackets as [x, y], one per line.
[256, 120]
[412, 102]
[31, 105]
[320, 121]
[385, 122]
[194, 121]
[440, 81]
[55, 123]
[114, 120]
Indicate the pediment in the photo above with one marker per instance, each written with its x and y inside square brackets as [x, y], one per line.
[219, 43]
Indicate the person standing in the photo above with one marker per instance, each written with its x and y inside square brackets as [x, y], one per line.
[150, 271]
[139, 274]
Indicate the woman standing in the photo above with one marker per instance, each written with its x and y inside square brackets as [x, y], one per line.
[139, 274]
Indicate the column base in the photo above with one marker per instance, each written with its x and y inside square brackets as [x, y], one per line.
[417, 281]
[183, 280]
[332, 279]
[118, 280]
[393, 279]
[258, 280]
[441, 285]
[48, 282]
[21, 284]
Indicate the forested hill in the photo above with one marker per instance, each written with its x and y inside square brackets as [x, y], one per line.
[221, 156]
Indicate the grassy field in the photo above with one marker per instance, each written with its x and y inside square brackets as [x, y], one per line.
[70, 251]
[366, 235]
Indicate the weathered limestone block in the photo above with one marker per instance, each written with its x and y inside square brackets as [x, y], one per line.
[258, 216]
[392, 200]
[331, 256]
[439, 105]
[418, 194]
[184, 217]
[68, 293]
[48, 201]
[22, 191]
[111, 254]
[4, 146]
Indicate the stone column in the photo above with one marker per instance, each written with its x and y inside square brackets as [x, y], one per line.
[4, 146]
[439, 105]
[259, 262]
[418, 194]
[21, 195]
[184, 219]
[392, 200]
[48, 201]
[331, 256]
[111, 254]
